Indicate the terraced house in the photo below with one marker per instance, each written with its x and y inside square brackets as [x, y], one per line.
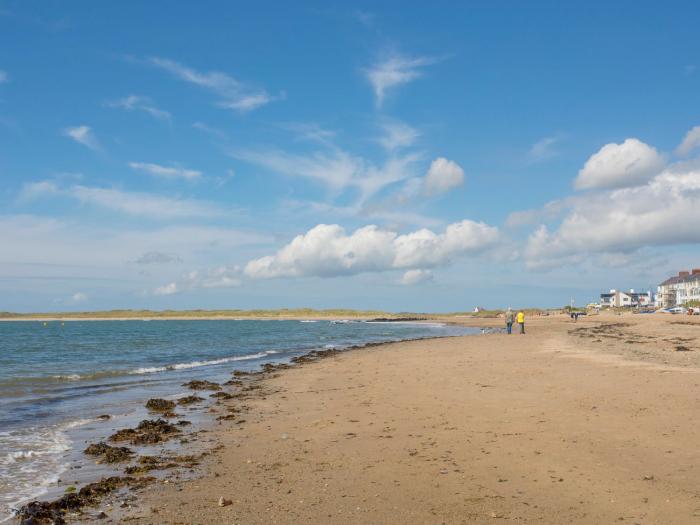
[680, 289]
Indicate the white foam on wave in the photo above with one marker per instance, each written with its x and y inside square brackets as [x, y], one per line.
[197, 364]
[34, 460]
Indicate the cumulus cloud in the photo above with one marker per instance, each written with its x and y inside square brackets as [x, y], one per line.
[412, 277]
[443, 176]
[83, 135]
[167, 172]
[219, 277]
[394, 70]
[690, 142]
[233, 93]
[620, 165]
[327, 251]
[129, 203]
[140, 103]
[657, 213]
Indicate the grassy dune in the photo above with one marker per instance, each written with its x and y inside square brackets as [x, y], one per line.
[195, 314]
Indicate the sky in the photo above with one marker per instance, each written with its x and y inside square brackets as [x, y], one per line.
[383, 155]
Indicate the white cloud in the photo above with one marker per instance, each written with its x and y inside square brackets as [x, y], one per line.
[219, 277]
[83, 135]
[659, 213]
[79, 297]
[129, 203]
[233, 93]
[327, 251]
[166, 171]
[168, 289]
[620, 165]
[545, 148]
[152, 257]
[4, 77]
[397, 135]
[690, 142]
[412, 277]
[140, 103]
[443, 176]
[335, 168]
[394, 70]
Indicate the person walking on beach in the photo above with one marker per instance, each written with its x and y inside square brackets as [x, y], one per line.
[521, 321]
[510, 318]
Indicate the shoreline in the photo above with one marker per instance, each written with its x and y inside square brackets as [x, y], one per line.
[238, 382]
[321, 444]
[274, 397]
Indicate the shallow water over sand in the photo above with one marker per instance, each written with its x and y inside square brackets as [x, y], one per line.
[57, 378]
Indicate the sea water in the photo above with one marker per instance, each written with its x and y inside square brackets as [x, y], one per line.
[59, 376]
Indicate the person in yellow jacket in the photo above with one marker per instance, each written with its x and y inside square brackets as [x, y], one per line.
[521, 321]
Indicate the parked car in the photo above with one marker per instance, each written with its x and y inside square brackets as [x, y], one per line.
[678, 310]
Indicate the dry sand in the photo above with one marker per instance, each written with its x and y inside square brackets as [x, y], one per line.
[570, 423]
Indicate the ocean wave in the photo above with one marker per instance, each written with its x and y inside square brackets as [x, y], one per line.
[34, 461]
[197, 364]
[68, 378]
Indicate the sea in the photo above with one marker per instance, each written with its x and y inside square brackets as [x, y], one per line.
[58, 378]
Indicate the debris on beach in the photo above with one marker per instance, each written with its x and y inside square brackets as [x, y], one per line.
[148, 432]
[160, 405]
[202, 384]
[54, 512]
[108, 453]
[223, 502]
[221, 395]
[149, 463]
[188, 400]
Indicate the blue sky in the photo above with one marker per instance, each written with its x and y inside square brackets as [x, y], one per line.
[428, 158]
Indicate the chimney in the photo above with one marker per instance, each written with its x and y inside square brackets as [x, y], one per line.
[696, 271]
[683, 274]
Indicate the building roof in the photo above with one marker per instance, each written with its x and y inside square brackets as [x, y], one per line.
[677, 279]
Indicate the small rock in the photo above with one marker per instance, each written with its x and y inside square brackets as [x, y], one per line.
[223, 502]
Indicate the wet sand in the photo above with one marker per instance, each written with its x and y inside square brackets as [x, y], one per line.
[593, 422]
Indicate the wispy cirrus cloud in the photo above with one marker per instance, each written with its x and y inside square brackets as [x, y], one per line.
[167, 172]
[397, 135]
[137, 204]
[83, 135]
[4, 77]
[545, 148]
[140, 103]
[233, 93]
[393, 70]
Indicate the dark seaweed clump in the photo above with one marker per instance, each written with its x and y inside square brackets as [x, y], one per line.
[53, 512]
[160, 405]
[188, 400]
[148, 432]
[200, 384]
[109, 454]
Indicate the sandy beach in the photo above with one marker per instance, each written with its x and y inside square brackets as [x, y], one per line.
[593, 422]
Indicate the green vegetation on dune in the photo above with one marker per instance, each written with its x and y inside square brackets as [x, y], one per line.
[194, 314]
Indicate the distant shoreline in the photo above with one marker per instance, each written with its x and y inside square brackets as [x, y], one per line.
[231, 315]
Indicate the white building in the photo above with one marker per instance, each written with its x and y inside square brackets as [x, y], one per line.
[619, 299]
[679, 289]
